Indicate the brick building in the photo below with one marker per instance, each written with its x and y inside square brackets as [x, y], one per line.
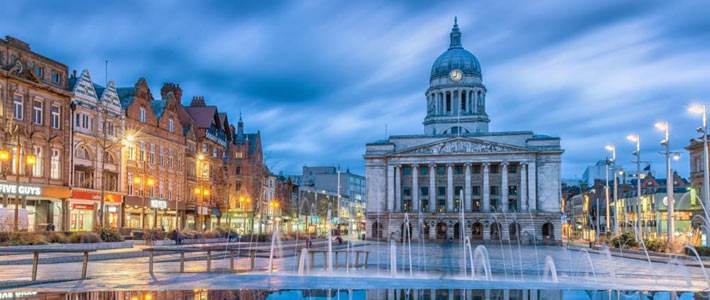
[153, 158]
[34, 113]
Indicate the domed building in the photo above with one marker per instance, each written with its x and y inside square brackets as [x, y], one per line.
[507, 184]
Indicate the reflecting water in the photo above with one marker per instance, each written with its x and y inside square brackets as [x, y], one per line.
[385, 294]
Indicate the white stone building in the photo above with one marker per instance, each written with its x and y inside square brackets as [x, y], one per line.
[509, 181]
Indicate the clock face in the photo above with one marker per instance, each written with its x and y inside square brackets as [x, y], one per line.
[456, 75]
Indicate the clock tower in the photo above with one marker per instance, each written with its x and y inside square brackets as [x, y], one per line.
[456, 98]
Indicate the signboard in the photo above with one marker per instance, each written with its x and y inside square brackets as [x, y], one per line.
[112, 209]
[90, 195]
[82, 206]
[158, 203]
[21, 189]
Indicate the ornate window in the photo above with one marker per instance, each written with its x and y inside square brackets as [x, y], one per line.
[171, 125]
[19, 108]
[55, 117]
[37, 112]
[38, 167]
[141, 115]
[82, 153]
[55, 166]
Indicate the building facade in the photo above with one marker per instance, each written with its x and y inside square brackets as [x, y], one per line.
[35, 139]
[97, 139]
[153, 159]
[506, 183]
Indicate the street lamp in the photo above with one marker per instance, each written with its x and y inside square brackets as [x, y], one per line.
[702, 109]
[635, 138]
[670, 222]
[609, 161]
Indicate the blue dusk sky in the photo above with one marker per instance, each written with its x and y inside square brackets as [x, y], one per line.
[322, 78]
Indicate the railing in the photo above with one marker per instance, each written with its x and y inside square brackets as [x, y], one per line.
[36, 251]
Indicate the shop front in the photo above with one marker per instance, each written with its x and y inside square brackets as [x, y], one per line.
[84, 207]
[203, 218]
[40, 207]
[151, 213]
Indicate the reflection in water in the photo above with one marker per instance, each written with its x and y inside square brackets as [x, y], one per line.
[375, 294]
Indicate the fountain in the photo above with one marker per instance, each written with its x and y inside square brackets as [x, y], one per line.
[481, 258]
[589, 261]
[304, 263]
[700, 262]
[393, 258]
[550, 269]
[408, 241]
[275, 244]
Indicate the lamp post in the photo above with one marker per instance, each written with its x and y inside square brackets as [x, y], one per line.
[609, 161]
[702, 109]
[635, 138]
[670, 222]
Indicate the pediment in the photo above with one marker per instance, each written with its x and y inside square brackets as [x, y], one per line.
[462, 145]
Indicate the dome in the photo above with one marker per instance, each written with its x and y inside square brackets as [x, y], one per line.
[456, 57]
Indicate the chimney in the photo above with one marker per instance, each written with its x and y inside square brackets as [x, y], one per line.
[171, 87]
[198, 101]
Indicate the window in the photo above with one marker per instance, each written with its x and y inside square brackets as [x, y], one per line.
[476, 190]
[38, 167]
[130, 184]
[131, 152]
[238, 170]
[39, 71]
[441, 191]
[440, 170]
[82, 153]
[424, 191]
[141, 115]
[141, 156]
[476, 169]
[458, 170]
[55, 121]
[151, 158]
[494, 190]
[19, 107]
[55, 165]
[513, 190]
[171, 125]
[56, 77]
[37, 112]
[448, 102]
[238, 155]
[463, 101]
[494, 169]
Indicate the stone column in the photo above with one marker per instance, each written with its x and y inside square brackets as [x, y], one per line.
[467, 188]
[432, 187]
[486, 189]
[397, 188]
[523, 187]
[532, 186]
[415, 188]
[390, 188]
[449, 187]
[504, 186]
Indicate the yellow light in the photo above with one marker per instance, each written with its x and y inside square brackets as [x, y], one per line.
[276, 204]
[134, 297]
[200, 157]
[148, 297]
[633, 137]
[151, 181]
[31, 159]
[130, 138]
[207, 192]
[4, 155]
[697, 108]
[197, 191]
[136, 180]
[661, 125]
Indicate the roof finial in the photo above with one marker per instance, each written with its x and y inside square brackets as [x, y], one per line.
[455, 35]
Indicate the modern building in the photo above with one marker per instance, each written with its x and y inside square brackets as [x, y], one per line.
[506, 183]
[595, 172]
[35, 146]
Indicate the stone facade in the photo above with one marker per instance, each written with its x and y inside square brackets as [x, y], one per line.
[506, 185]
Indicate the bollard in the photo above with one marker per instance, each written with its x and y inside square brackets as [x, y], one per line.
[85, 265]
[367, 256]
[182, 262]
[209, 260]
[150, 262]
[35, 262]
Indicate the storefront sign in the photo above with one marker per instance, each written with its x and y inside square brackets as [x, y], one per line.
[21, 189]
[112, 209]
[203, 211]
[82, 206]
[90, 195]
[158, 203]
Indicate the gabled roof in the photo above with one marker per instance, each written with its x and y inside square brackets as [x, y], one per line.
[202, 115]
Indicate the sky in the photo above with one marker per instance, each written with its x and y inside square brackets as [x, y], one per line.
[320, 79]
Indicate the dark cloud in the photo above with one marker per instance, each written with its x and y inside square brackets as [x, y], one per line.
[322, 78]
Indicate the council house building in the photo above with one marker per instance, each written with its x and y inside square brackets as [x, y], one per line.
[506, 183]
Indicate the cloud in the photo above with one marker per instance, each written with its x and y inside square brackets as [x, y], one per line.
[320, 79]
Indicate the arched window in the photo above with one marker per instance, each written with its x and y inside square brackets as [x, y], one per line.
[548, 231]
[82, 153]
[441, 229]
[514, 231]
[495, 231]
[477, 231]
[109, 158]
[376, 230]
